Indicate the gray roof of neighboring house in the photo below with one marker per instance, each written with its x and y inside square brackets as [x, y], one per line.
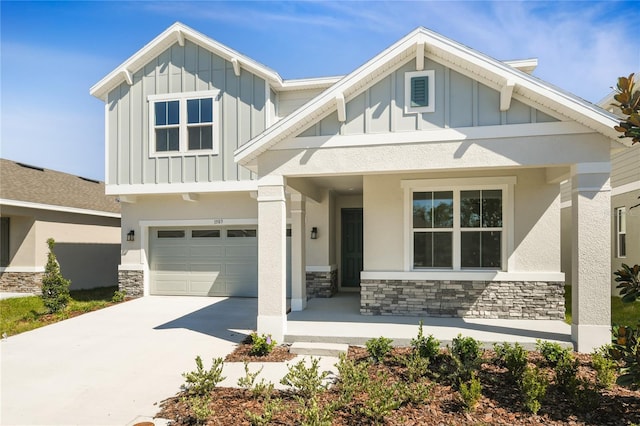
[31, 184]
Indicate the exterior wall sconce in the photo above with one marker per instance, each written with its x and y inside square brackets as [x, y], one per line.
[314, 233]
[131, 236]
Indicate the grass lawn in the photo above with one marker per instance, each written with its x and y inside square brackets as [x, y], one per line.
[27, 313]
[621, 313]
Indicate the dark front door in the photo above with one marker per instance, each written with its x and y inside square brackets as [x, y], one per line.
[351, 247]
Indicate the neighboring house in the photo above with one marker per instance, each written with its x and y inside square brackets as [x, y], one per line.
[625, 207]
[37, 204]
[428, 180]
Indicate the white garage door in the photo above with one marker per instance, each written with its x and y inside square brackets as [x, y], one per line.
[205, 261]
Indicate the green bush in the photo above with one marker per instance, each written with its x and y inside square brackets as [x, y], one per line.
[417, 366]
[200, 407]
[534, 388]
[383, 397]
[118, 296]
[353, 377]
[378, 348]
[55, 288]
[566, 370]
[270, 408]
[514, 358]
[426, 347]
[471, 392]
[306, 381]
[605, 367]
[586, 397]
[201, 382]
[626, 348]
[552, 352]
[467, 349]
[628, 279]
[261, 345]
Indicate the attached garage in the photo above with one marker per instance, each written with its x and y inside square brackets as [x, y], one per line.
[204, 261]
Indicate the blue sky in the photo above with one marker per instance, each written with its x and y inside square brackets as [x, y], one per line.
[53, 52]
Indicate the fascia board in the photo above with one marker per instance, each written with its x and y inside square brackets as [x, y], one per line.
[164, 41]
[55, 208]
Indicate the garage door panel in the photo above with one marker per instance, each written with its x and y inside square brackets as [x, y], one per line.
[248, 251]
[205, 287]
[171, 267]
[171, 285]
[206, 251]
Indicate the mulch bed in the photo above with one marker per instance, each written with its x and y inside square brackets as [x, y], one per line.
[501, 403]
[241, 353]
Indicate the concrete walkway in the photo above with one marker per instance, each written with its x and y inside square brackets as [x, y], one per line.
[111, 366]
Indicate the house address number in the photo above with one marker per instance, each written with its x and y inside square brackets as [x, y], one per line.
[218, 221]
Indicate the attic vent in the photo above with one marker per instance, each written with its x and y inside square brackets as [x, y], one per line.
[419, 91]
[89, 180]
[29, 166]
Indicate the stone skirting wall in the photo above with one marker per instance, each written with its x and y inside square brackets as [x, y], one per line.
[322, 284]
[131, 282]
[469, 299]
[21, 282]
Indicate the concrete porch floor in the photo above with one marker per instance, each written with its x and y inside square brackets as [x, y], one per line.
[338, 320]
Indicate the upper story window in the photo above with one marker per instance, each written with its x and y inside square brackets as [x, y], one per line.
[419, 91]
[455, 225]
[183, 122]
[621, 232]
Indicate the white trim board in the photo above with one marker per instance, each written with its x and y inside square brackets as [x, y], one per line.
[181, 188]
[21, 269]
[52, 207]
[462, 276]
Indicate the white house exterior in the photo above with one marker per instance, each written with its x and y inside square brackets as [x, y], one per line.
[428, 179]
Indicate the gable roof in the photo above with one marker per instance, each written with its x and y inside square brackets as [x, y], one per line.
[178, 33]
[30, 186]
[489, 71]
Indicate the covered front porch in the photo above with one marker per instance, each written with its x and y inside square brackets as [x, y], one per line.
[338, 320]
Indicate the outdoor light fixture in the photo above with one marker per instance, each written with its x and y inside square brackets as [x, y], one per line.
[131, 236]
[314, 233]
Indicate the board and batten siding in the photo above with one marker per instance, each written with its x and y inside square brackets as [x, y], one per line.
[243, 114]
[459, 102]
[625, 167]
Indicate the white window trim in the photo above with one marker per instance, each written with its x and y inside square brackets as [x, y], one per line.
[505, 183]
[619, 213]
[182, 98]
[408, 109]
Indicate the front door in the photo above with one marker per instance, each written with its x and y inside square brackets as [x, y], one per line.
[351, 247]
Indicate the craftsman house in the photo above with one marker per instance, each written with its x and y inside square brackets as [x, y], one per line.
[427, 180]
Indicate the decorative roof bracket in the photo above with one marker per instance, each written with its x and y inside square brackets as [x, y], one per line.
[180, 37]
[506, 93]
[420, 56]
[341, 106]
[236, 66]
[127, 76]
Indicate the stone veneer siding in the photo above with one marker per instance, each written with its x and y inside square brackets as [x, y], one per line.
[21, 282]
[469, 299]
[322, 284]
[131, 282]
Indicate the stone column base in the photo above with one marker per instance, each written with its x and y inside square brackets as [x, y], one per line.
[21, 282]
[132, 283]
[322, 284]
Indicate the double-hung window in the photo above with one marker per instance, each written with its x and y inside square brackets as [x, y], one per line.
[183, 122]
[455, 225]
[621, 232]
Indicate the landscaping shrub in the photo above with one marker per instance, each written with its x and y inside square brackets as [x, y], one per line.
[270, 408]
[201, 382]
[626, 348]
[118, 296]
[383, 397]
[55, 288]
[467, 349]
[417, 366]
[566, 370]
[514, 358]
[353, 377]
[534, 388]
[426, 347]
[378, 348]
[628, 279]
[248, 382]
[200, 407]
[261, 345]
[552, 352]
[471, 392]
[306, 381]
[604, 366]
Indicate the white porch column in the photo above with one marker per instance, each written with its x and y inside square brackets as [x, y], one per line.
[272, 257]
[298, 254]
[591, 255]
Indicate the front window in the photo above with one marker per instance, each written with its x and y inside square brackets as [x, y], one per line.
[184, 123]
[458, 228]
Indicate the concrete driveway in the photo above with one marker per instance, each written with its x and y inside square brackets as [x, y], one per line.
[111, 366]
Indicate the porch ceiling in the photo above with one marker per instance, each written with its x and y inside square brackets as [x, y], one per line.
[340, 185]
